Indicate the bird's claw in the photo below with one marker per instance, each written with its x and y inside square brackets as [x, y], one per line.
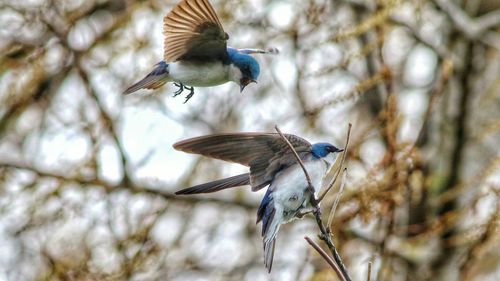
[191, 93]
[180, 90]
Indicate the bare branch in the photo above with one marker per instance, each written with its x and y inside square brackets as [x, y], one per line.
[326, 257]
[337, 199]
[306, 174]
[133, 188]
[472, 28]
[369, 277]
[332, 183]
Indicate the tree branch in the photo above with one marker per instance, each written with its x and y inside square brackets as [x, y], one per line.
[326, 257]
[332, 183]
[472, 28]
[306, 174]
[109, 187]
[337, 200]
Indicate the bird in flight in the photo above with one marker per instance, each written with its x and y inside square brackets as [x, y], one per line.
[271, 163]
[196, 53]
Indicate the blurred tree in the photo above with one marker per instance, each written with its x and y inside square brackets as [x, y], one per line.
[87, 175]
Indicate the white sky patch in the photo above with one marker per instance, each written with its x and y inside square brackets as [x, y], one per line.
[420, 67]
[109, 160]
[413, 105]
[61, 149]
[282, 14]
[148, 136]
[372, 151]
[286, 73]
[396, 47]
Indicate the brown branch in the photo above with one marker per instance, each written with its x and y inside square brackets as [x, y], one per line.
[332, 183]
[325, 234]
[107, 120]
[369, 277]
[306, 174]
[337, 199]
[326, 257]
[133, 188]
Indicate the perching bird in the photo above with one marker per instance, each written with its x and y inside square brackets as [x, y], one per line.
[196, 53]
[272, 164]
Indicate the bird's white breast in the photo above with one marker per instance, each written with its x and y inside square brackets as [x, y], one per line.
[199, 74]
[289, 186]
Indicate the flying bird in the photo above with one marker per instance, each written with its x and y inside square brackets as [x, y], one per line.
[271, 164]
[196, 53]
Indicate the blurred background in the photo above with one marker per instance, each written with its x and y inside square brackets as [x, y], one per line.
[87, 175]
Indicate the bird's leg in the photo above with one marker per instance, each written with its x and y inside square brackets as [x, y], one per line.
[191, 93]
[304, 211]
[180, 90]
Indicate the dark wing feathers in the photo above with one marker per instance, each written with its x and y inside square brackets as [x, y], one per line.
[213, 186]
[192, 30]
[264, 153]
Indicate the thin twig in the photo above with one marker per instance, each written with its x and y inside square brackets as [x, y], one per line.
[326, 257]
[325, 234]
[297, 157]
[332, 183]
[369, 277]
[153, 190]
[337, 199]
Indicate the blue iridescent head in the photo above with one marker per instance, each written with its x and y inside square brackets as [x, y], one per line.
[248, 66]
[322, 149]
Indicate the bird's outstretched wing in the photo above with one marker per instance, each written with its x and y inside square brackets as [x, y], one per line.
[192, 30]
[265, 153]
[217, 185]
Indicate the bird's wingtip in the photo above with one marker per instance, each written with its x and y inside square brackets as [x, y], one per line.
[178, 145]
[273, 50]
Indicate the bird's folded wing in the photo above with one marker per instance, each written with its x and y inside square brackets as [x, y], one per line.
[192, 30]
[265, 153]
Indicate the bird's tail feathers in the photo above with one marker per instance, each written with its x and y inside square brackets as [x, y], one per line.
[213, 186]
[155, 79]
[270, 226]
[269, 254]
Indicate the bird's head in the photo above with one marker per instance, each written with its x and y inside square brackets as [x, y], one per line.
[248, 67]
[323, 149]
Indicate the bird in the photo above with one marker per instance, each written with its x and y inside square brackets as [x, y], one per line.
[272, 164]
[196, 53]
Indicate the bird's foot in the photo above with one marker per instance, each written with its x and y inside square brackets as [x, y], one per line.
[180, 90]
[191, 93]
[304, 211]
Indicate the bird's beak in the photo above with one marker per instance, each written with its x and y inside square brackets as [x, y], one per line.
[340, 150]
[244, 82]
